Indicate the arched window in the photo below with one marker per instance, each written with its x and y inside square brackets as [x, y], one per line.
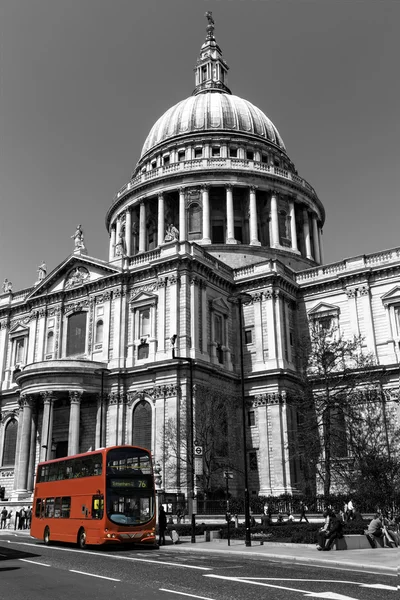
[99, 332]
[142, 425]
[76, 334]
[50, 343]
[10, 443]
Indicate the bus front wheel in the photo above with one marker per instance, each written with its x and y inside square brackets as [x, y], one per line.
[82, 539]
[46, 536]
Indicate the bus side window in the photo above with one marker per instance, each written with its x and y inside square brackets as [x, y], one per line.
[57, 508]
[38, 507]
[49, 507]
[65, 507]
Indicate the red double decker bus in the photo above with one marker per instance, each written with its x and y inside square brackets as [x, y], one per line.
[96, 498]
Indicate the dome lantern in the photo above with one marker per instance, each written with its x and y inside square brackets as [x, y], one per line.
[211, 69]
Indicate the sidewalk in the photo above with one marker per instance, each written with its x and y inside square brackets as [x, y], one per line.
[380, 560]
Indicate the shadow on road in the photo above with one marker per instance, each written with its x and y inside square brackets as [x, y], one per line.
[8, 553]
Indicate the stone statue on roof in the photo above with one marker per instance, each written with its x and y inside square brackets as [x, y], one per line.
[78, 238]
[42, 271]
[7, 286]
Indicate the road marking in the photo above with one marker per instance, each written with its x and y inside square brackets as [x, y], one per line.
[379, 586]
[35, 562]
[93, 575]
[129, 558]
[184, 594]
[330, 595]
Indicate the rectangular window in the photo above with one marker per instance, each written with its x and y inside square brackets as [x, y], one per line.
[154, 164]
[38, 507]
[19, 350]
[253, 461]
[166, 161]
[57, 508]
[250, 155]
[233, 152]
[144, 322]
[251, 419]
[248, 336]
[215, 151]
[198, 152]
[264, 158]
[218, 332]
[65, 507]
[49, 511]
[181, 155]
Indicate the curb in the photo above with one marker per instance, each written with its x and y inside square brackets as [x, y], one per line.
[287, 557]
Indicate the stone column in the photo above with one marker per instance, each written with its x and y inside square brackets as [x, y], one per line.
[112, 242]
[161, 220]
[47, 426]
[142, 227]
[74, 422]
[230, 222]
[321, 249]
[316, 240]
[274, 220]
[128, 232]
[269, 295]
[365, 300]
[206, 215]
[118, 229]
[293, 233]
[182, 215]
[113, 419]
[194, 310]
[162, 313]
[306, 229]
[254, 241]
[204, 345]
[26, 403]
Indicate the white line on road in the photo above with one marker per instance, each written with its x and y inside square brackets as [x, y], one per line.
[130, 558]
[35, 562]
[331, 595]
[184, 594]
[93, 575]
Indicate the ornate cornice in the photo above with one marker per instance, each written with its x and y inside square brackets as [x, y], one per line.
[265, 399]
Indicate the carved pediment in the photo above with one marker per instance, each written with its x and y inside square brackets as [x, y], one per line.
[75, 271]
[392, 297]
[323, 310]
[142, 299]
[17, 329]
[220, 304]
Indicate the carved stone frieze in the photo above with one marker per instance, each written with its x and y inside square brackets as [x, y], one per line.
[144, 288]
[265, 399]
[78, 276]
[77, 306]
[173, 279]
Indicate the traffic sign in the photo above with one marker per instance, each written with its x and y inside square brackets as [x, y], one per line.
[198, 450]
[228, 474]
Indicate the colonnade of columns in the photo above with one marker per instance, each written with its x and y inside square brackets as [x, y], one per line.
[135, 231]
[27, 434]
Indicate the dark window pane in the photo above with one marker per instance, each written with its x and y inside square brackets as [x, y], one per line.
[142, 425]
[76, 334]
[10, 443]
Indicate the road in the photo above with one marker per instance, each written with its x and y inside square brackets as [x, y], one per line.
[31, 571]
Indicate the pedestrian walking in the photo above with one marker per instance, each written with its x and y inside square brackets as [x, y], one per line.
[16, 522]
[162, 526]
[303, 509]
[350, 510]
[22, 518]
[3, 520]
[9, 517]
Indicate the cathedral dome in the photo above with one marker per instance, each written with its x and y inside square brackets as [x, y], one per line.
[212, 111]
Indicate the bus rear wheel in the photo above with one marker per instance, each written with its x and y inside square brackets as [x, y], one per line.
[82, 539]
[46, 536]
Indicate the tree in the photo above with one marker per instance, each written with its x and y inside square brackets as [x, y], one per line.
[335, 375]
[215, 430]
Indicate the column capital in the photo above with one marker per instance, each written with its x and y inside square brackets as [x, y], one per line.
[182, 189]
[228, 186]
[275, 193]
[75, 397]
[205, 187]
[253, 188]
[160, 195]
[26, 400]
[48, 396]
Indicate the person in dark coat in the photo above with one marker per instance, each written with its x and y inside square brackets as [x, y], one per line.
[162, 526]
[335, 531]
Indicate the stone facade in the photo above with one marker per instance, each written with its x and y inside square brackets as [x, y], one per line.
[214, 207]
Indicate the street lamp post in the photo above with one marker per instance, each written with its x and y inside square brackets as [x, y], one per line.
[104, 373]
[239, 299]
[191, 440]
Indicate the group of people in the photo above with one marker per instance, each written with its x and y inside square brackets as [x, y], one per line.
[382, 529]
[23, 518]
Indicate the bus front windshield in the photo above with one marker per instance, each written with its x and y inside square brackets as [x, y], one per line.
[130, 490]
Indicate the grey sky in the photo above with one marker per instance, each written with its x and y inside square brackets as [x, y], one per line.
[83, 81]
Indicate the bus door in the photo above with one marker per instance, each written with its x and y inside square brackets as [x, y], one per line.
[97, 506]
